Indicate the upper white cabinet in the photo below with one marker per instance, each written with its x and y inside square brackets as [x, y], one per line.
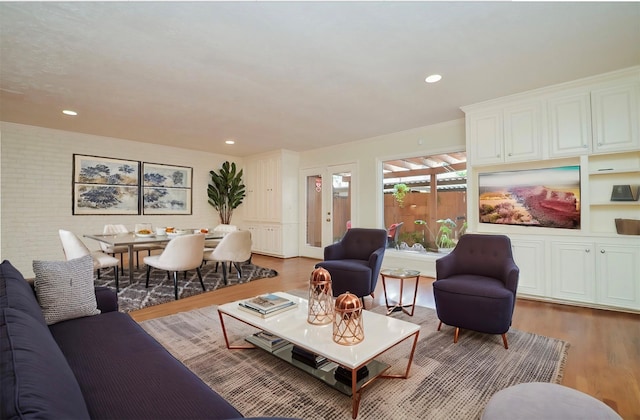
[522, 132]
[569, 122]
[485, 134]
[509, 134]
[589, 116]
[615, 115]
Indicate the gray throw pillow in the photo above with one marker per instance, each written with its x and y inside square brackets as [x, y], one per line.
[65, 289]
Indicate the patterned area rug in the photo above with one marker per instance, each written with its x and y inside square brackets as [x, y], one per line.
[447, 380]
[135, 296]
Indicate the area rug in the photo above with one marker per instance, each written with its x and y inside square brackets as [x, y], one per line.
[447, 380]
[134, 296]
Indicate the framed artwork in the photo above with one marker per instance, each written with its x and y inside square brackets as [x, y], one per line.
[547, 197]
[106, 186]
[166, 189]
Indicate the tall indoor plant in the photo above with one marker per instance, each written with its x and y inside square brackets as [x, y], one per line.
[226, 190]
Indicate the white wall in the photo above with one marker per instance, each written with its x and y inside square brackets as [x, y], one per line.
[36, 181]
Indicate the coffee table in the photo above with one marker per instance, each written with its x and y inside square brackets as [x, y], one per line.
[381, 333]
[402, 274]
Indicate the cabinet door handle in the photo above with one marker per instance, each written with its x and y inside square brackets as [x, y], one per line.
[510, 154]
[587, 250]
[602, 251]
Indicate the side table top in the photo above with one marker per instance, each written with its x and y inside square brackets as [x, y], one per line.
[400, 273]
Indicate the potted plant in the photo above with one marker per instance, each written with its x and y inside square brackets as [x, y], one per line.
[446, 231]
[226, 191]
[399, 192]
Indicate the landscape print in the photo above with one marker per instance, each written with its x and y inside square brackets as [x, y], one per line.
[167, 189]
[105, 185]
[547, 197]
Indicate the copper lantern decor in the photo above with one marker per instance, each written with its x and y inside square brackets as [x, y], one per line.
[348, 328]
[320, 297]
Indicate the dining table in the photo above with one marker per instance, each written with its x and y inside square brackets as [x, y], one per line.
[131, 239]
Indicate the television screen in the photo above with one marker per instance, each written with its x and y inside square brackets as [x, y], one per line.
[548, 197]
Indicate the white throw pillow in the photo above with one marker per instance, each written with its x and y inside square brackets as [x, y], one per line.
[65, 289]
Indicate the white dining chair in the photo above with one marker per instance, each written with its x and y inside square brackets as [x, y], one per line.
[220, 230]
[182, 253]
[115, 249]
[74, 248]
[144, 247]
[234, 248]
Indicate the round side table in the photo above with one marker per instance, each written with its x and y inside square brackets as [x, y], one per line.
[401, 274]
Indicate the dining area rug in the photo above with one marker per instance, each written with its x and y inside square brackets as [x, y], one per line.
[446, 381]
[135, 295]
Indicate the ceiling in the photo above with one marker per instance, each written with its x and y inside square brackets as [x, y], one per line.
[293, 75]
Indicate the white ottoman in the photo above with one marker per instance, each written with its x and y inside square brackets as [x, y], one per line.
[541, 400]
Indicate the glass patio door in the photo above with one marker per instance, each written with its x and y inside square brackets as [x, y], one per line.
[328, 207]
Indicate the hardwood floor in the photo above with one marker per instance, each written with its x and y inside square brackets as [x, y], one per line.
[604, 353]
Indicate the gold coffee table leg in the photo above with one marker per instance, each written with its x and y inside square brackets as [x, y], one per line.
[226, 339]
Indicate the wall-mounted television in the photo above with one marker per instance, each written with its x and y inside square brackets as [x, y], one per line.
[548, 197]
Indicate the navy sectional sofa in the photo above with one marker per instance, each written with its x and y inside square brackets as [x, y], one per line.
[101, 367]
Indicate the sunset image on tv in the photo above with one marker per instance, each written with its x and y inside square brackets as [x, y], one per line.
[547, 197]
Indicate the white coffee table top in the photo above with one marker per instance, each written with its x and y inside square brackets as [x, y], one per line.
[380, 332]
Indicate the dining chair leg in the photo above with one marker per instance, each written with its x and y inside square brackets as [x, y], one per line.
[238, 269]
[115, 275]
[148, 272]
[98, 271]
[200, 277]
[169, 275]
[224, 272]
[122, 263]
[175, 284]
[217, 266]
[185, 275]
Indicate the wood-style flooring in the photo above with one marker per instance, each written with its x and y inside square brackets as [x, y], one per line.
[604, 353]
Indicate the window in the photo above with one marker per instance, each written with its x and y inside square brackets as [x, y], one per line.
[425, 201]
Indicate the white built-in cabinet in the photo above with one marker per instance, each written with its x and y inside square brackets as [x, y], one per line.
[569, 123]
[509, 134]
[573, 271]
[529, 257]
[271, 202]
[596, 272]
[615, 114]
[593, 123]
[578, 118]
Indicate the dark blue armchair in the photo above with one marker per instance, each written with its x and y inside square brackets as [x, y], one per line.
[354, 262]
[475, 287]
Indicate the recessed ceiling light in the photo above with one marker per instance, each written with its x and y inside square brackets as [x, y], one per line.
[230, 141]
[433, 78]
[69, 112]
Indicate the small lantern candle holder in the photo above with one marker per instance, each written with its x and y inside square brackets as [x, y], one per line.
[320, 297]
[348, 328]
